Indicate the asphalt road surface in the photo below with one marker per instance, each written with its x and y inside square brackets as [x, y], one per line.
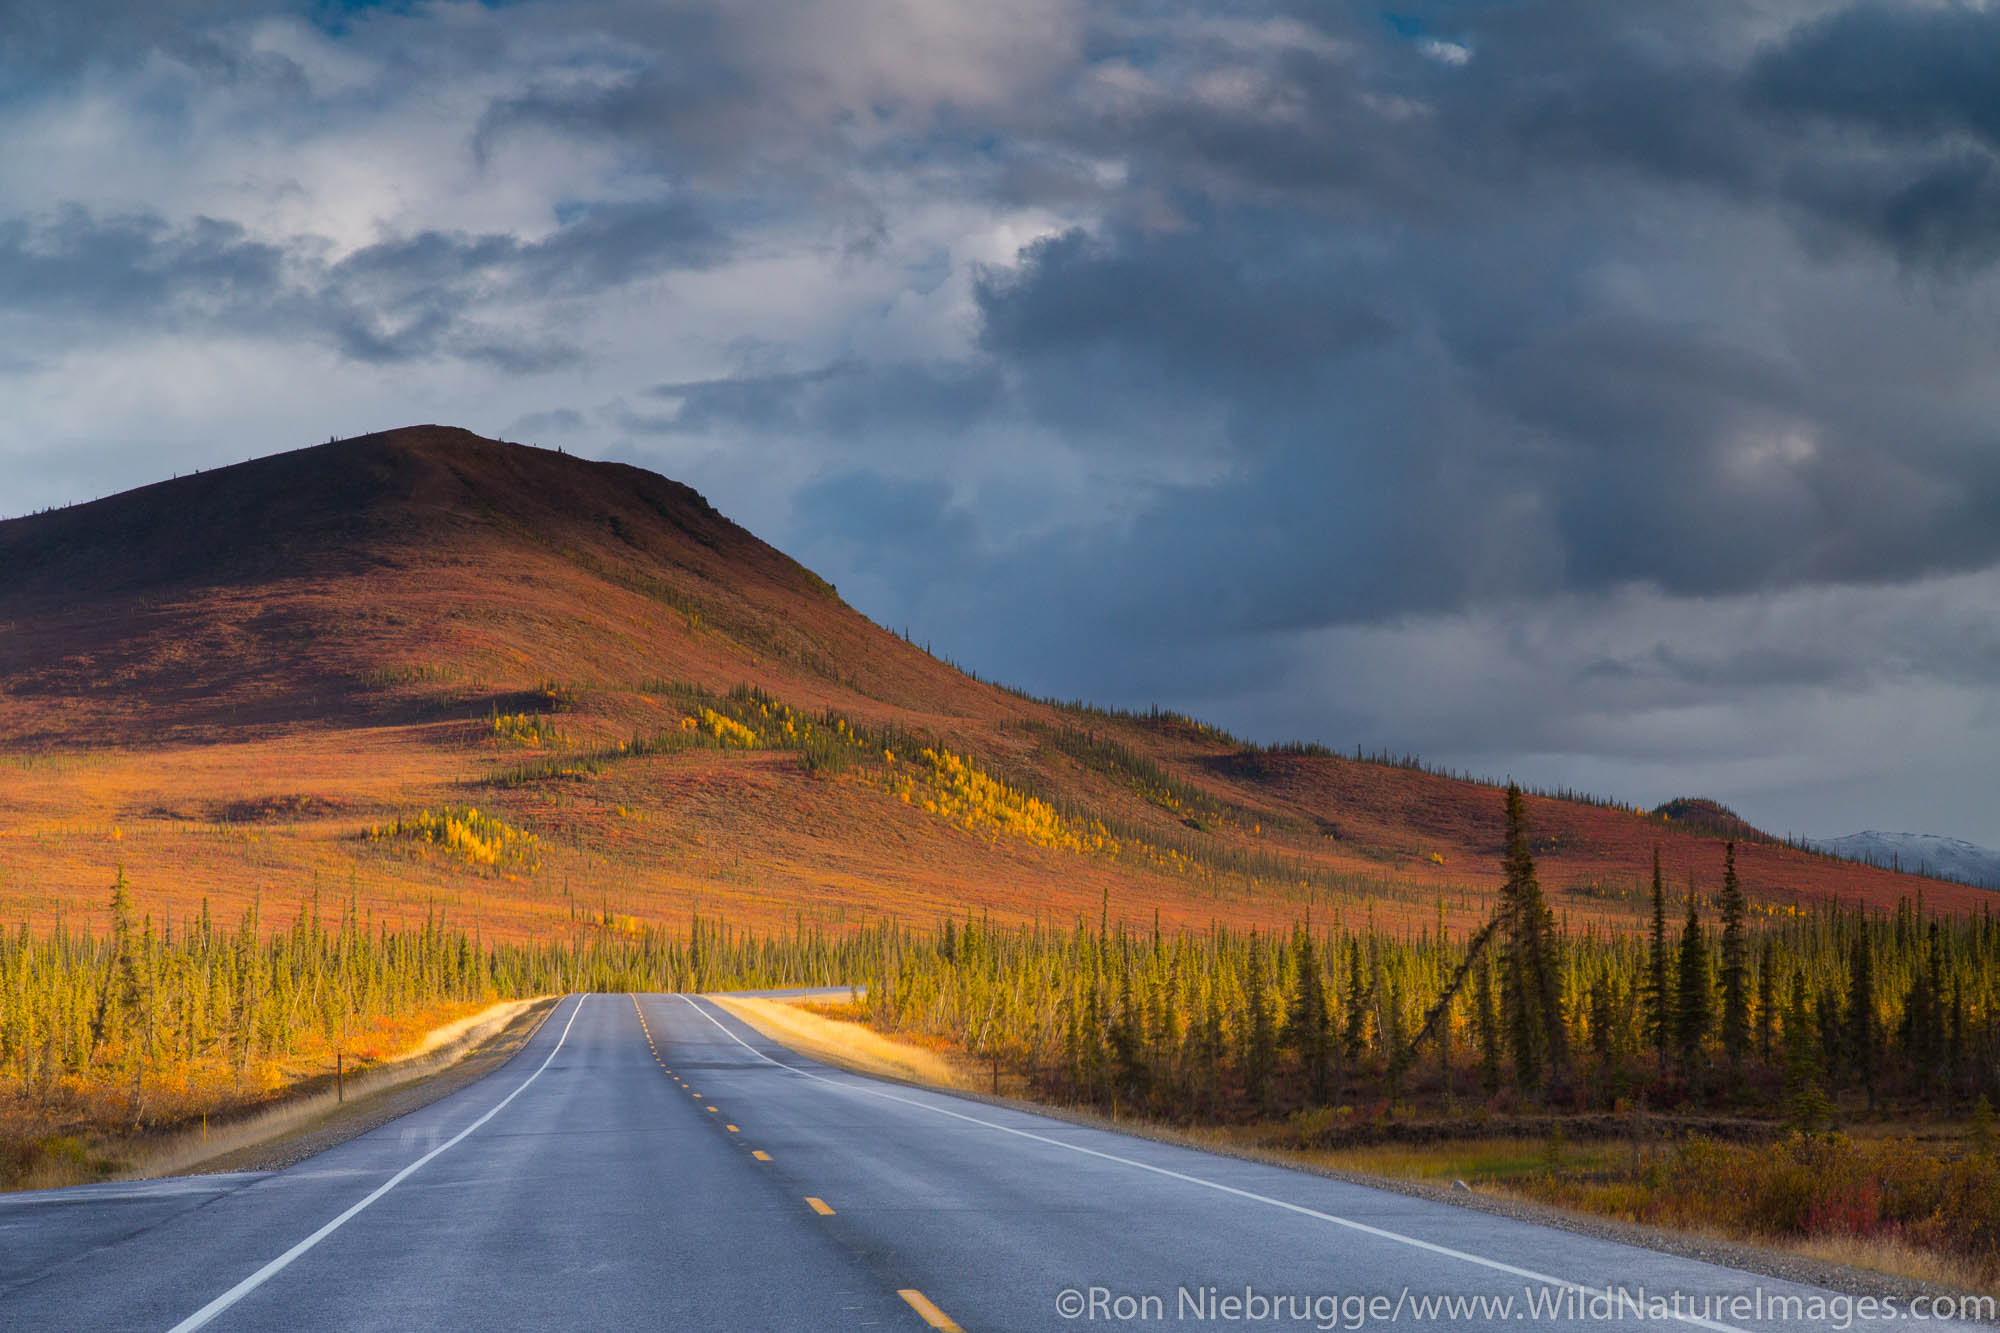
[651, 1163]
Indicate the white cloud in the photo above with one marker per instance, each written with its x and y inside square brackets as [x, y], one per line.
[1445, 53]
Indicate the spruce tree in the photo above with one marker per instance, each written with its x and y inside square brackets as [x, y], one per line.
[1486, 1022]
[1603, 1025]
[1127, 1040]
[1306, 1029]
[128, 991]
[1863, 1037]
[1735, 969]
[1924, 1031]
[1659, 971]
[1259, 1037]
[1954, 1057]
[1354, 1033]
[1767, 998]
[1530, 979]
[1805, 1097]
[1391, 1027]
[1693, 1009]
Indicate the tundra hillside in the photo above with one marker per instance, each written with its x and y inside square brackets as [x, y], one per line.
[423, 669]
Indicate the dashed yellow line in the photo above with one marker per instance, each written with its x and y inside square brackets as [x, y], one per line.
[711, 1108]
[819, 1206]
[760, 1154]
[731, 1128]
[933, 1316]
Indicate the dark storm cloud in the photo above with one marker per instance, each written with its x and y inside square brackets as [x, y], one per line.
[1222, 305]
[1390, 280]
[1878, 121]
[1912, 71]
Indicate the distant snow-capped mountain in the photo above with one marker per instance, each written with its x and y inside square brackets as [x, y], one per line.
[1920, 853]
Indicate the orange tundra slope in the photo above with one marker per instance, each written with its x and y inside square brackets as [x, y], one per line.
[302, 673]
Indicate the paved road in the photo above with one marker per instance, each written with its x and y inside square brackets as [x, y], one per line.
[585, 1186]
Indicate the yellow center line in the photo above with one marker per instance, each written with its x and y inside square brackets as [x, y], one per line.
[760, 1154]
[711, 1108]
[819, 1206]
[933, 1316]
[732, 1129]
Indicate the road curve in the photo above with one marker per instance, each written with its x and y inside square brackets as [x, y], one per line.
[651, 1163]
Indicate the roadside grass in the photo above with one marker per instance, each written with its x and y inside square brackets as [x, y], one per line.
[1822, 1198]
[181, 1150]
[807, 1027]
[92, 1127]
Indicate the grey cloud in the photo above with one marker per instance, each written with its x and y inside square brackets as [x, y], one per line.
[557, 421]
[1937, 210]
[858, 507]
[1223, 302]
[406, 298]
[602, 248]
[1878, 120]
[1918, 71]
[60, 35]
[848, 399]
[757, 401]
[110, 268]
[1760, 666]
[1369, 292]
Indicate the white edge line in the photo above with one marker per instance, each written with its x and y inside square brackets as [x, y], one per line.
[257, 1279]
[1694, 1321]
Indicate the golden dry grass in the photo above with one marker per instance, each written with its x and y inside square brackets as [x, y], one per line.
[845, 1044]
[1887, 1254]
[437, 1050]
[194, 1113]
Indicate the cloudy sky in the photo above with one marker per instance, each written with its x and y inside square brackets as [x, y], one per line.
[1600, 393]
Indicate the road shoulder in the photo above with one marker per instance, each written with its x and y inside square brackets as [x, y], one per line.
[865, 1051]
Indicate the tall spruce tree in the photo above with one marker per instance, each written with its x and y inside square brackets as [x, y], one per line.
[1659, 971]
[1260, 1035]
[1530, 977]
[1863, 1034]
[1693, 1007]
[1486, 1022]
[1735, 969]
[1354, 1030]
[1767, 998]
[1306, 1026]
[1806, 1100]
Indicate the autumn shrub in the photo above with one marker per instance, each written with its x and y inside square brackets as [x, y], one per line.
[481, 839]
[1809, 1187]
[954, 788]
[527, 729]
